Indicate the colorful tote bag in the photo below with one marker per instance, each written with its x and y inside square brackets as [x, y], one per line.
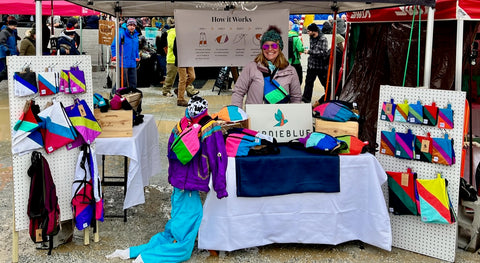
[387, 142]
[57, 128]
[435, 205]
[273, 92]
[26, 131]
[83, 120]
[442, 151]
[423, 148]
[355, 145]
[230, 113]
[388, 111]
[187, 144]
[401, 112]
[402, 193]
[404, 145]
[445, 117]
[48, 83]
[77, 81]
[25, 83]
[64, 80]
[415, 113]
[430, 114]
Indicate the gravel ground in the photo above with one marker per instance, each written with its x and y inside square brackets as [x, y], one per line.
[150, 218]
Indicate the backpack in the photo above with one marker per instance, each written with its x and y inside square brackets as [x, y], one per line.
[43, 210]
[291, 55]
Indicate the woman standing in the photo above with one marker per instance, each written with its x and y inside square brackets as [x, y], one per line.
[269, 78]
[27, 45]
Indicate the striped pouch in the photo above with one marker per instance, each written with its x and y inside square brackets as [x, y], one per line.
[401, 112]
[445, 117]
[404, 145]
[387, 142]
[423, 148]
[430, 114]
[415, 113]
[442, 151]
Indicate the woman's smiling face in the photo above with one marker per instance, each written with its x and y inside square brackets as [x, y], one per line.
[270, 50]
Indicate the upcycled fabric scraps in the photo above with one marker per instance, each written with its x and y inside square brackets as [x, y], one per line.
[230, 113]
[388, 111]
[423, 148]
[387, 142]
[415, 113]
[26, 132]
[401, 112]
[404, 145]
[442, 151]
[84, 121]
[355, 145]
[87, 203]
[25, 83]
[445, 117]
[64, 80]
[430, 114]
[401, 193]
[435, 205]
[273, 92]
[76, 80]
[57, 127]
[48, 83]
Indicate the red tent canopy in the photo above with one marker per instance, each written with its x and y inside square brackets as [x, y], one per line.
[444, 10]
[60, 8]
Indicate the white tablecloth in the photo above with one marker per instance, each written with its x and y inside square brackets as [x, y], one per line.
[357, 212]
[143, 150]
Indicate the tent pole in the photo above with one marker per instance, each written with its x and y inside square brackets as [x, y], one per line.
[117, 47]
[428, 49]
[459, 55]
[38, 27]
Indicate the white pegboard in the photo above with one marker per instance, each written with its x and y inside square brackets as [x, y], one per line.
[62, 162]
[409, 232]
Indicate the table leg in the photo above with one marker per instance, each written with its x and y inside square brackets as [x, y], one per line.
[117, 183]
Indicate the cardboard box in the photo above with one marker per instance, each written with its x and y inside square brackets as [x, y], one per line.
[335, 128]
[115, 123]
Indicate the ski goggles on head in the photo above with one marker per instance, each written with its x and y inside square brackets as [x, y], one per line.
[267, 46]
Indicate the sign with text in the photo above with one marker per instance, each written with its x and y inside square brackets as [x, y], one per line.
[282, 121]
[106, 32]
[224, 38]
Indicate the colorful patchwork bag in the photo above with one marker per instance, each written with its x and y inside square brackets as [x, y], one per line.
[76, 80]
[354, 145]
[319, 142]
[388, 110]
[442, 151]
[187, 144]
[273, 92]
[387, 142]
[230, 113]
[401, 112]
[423, 148]
[402, 193]
[25, 83]
[430, 114]
[243, 142]
[48, 83]
[84, 122]
[335, 110]
[64, 80]
[435, 204]
[415, 113]
[404, 145]
[445, 117]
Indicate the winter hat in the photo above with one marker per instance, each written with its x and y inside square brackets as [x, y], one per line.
[339, 39]
[73, 21]
[272, 34]
[313, 27]
[196, 106]
[12, 22]
[70, 28]
[131, 21]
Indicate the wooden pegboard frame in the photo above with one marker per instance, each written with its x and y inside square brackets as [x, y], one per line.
[409, 232]
[62, 162]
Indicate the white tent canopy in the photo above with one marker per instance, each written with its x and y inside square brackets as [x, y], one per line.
[165, 8]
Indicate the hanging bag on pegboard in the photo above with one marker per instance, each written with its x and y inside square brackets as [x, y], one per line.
[435, 204]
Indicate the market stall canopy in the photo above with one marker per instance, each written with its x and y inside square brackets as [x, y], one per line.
[60, 8]
[444, 10]
[165, 8]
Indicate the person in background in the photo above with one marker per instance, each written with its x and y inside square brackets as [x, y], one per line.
[45, 36]
[66, 42]
[341, 25]
[27, 45]
[92, 22]
[295, 49]
[57, 21]
[129, 53]
[317, 61]
[269, 78]
[72, 24]
[186, 76]
[162, 47]
[328, 25]
[8, 46]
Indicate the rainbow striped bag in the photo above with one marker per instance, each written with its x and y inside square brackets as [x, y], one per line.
[435, 204]
[415, 113]
[445, 117]
[187, 144]
[401, 112]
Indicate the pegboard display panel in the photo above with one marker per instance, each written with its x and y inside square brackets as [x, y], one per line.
[409, 232]
[62, 162]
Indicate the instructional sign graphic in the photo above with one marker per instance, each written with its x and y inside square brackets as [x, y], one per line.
[224, 38]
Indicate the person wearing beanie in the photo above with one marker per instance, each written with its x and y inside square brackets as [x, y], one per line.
[317, 62]
[176, 242]
[71, 31]
[27, 45]
[8, 45]
[295, 49]
[269, 79]
[67, 42]
[129, 53]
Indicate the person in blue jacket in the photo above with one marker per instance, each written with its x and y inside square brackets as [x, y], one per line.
[8, 46]
[129, 53]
